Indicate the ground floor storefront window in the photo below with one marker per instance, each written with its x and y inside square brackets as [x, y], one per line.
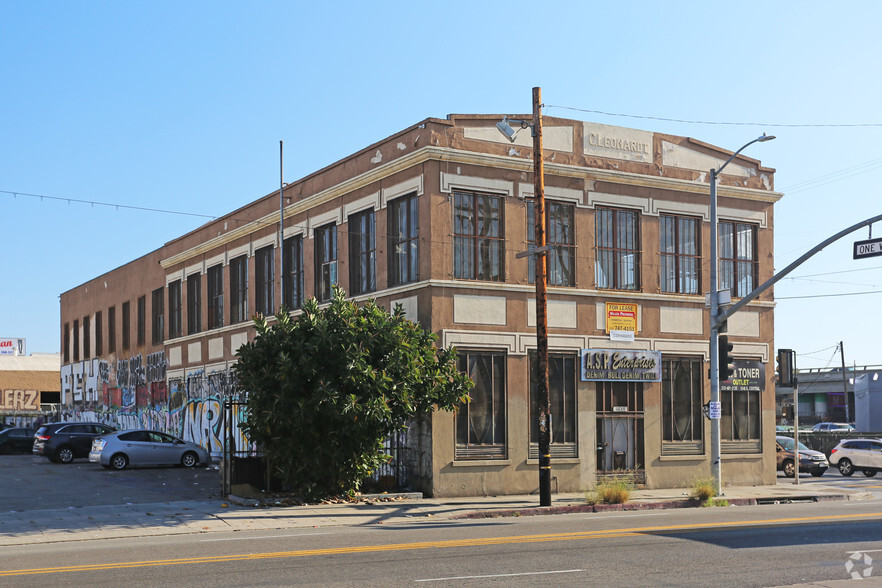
[562, 374]
[682, 423]
[480, 422]
[620, 445]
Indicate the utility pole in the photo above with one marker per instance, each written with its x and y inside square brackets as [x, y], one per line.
[542, 395]
[281, 226]
[844, 381]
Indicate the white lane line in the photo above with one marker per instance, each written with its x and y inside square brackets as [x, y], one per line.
[498, 575]
[248, 538]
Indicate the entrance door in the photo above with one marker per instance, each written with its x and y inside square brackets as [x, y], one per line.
[620, 428]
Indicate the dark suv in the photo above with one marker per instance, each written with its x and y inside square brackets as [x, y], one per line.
[63, 442]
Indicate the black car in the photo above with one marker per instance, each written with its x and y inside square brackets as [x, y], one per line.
[16, 440]
[63, 442]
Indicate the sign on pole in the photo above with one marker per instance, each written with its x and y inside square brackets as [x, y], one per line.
[868, 248]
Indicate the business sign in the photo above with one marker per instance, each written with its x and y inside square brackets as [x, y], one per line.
[749, 376]
[869, 248]
[620, 365]
[12, 346]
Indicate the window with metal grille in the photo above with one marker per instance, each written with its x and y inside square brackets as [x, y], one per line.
[175, 327]
[739, 264]
[682, 389]
[478, 237]
[325, 261]
[617, 265]
[293, 272]
[562, 374]
[264, 263]
[238, 289]
[680, 255]
[559, 235]
[194, 303]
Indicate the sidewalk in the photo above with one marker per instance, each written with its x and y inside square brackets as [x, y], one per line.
[209, 516]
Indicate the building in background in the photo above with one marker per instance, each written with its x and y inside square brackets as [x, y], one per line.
[432, 218]
[30, 386]
[834, 395]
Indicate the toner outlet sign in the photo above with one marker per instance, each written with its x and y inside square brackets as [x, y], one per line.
[619, 365]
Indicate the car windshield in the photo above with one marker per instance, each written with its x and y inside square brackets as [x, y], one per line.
[787, 443]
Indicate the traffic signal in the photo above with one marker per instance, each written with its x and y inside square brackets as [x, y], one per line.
[725, 359]
[785, 375]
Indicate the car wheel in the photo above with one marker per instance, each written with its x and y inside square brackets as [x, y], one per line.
[64, 454]
[189, 459]
[119, 461]
[818, 473]
[846, 468]
[789, 469]
[869, 473]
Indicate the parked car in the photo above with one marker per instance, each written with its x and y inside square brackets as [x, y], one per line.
[811, 461]
[142, 447]
[16, 440]
[857, 454]
[832, 427]
[63, 442]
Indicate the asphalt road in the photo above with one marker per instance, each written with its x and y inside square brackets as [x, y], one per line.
[773, 545]
[30, 482]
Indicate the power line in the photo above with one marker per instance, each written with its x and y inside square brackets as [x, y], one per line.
[107, 204]
[828, 295]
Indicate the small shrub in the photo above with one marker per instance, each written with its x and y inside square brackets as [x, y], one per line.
[615, 491]
[715, 502]
[704, 489]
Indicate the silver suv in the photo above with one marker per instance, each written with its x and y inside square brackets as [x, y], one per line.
[857, 454]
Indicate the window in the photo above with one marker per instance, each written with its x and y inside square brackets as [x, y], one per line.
[76, 339]
[99, 334]
[325, 261]
[559, 235]
[264, 261]
[175, 325]
[478, 237]
[403, 243]
[741, 415]
[142, 319]
[111, 329]
[480, 423]
[238, 289]
[618, 249]
[680, 254]
[86, 338]
[194, 303]
[362, 253]
[216, 297]
[66, 342]
[157, 311]
[293, 272]
[738, 258]
[682, 422]
[562, 372]
[126, 325]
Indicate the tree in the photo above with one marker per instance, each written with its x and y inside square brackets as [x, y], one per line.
[324, 391]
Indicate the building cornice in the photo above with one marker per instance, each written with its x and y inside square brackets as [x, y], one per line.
[448, 155]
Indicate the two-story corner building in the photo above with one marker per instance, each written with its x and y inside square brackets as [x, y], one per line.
[432, 218]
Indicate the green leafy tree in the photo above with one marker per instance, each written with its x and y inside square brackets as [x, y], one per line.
[325, 390]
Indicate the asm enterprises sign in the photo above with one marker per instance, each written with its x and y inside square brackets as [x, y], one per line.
[620, 365]
[750, 376]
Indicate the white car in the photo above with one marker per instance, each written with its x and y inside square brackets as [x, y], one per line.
[857, 454]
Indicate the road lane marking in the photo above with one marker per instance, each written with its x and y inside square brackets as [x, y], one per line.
[498, 575]
[477, 542]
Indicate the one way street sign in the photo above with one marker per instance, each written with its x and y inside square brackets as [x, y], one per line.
[869, 248]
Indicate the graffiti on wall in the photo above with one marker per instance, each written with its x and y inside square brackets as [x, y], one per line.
[133, 394]
[18, 400]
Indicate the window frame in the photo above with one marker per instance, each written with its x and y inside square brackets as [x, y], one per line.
[679, 266]
[99, 334]
[238, 268]
[607, 240]
[157, 311]
[126, 325]
[111, 329]
[674, 397]
[564, 440]
[175, 300]
[738, 273]
[564, 250]
[403, 232]
[215, 279]
[496, 403]
[142, 321]
[293, 272]
[264, 280]
[194, 303]
[478, 236]
[362, 252]
[326, 276]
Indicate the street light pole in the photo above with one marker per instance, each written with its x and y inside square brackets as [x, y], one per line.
[716, 323]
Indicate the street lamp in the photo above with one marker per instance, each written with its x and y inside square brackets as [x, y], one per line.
[715, 322]
[542, 396]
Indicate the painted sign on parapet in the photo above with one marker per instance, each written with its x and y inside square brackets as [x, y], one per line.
[617, 142]
[620, 365]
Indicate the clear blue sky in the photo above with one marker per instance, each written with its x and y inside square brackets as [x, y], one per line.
[181, 106]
